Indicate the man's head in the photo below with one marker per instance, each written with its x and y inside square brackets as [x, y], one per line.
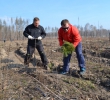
[36, 21]
[65, 24]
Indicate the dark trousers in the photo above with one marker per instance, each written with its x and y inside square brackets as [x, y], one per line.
[80, 57]
[39, 47]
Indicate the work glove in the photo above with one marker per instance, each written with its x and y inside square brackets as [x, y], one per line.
[30, 37]
[39, 38]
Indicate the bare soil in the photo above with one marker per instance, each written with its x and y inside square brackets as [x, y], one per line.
[33, 82]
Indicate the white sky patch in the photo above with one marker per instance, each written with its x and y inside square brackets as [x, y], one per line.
[5, 18]
[8, 19]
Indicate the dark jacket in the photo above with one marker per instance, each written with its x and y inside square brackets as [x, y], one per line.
[34, 32]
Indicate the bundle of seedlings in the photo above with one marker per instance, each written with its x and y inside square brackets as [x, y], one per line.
[67, 48]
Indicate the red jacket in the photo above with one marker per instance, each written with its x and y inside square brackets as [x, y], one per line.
[72, 35]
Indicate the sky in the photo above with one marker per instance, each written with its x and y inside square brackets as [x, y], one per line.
[51, 12]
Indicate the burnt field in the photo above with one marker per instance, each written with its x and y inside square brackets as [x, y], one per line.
[19, 82]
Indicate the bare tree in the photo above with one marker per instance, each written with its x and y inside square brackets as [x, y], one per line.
[0, 29]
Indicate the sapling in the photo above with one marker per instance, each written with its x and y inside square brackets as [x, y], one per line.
[67, 48]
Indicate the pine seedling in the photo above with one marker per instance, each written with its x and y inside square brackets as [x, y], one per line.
[67, 48]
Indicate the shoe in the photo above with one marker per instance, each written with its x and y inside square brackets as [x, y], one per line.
[27, 59]
[46, 67]
[26, 63]
[82, 71]
[63, 73]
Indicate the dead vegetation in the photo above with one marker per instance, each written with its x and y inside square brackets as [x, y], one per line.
[19, 82]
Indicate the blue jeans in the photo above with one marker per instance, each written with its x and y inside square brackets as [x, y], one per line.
[80, 57]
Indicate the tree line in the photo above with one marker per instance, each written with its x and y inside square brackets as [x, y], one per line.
[92, 31]
[13, 30]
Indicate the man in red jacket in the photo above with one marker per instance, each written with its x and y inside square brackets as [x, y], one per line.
[70, 33]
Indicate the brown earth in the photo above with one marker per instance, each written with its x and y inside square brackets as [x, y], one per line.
[19, 82]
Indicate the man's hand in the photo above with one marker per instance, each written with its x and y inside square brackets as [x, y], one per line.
[30, 37]
[39, 38]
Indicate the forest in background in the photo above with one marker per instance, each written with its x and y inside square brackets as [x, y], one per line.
[13, 30]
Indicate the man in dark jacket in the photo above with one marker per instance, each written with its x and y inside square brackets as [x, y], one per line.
[35, 33]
